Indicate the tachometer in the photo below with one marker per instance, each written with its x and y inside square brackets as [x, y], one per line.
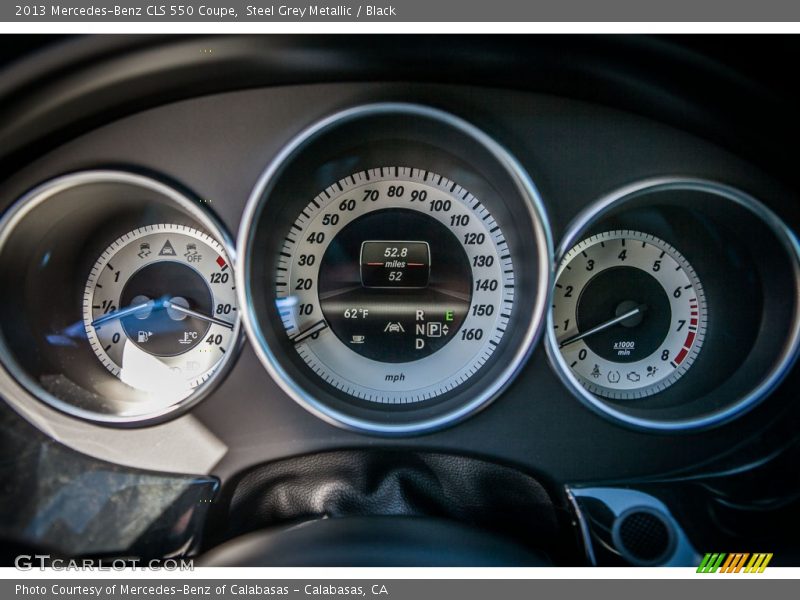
[395, 284]
[629, 314]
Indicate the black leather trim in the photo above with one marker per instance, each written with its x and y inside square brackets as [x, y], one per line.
[372, 542]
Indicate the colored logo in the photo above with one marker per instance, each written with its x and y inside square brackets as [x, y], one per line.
[739, 562]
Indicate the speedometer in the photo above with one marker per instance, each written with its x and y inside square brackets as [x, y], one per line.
[395, 284]
[396, 269]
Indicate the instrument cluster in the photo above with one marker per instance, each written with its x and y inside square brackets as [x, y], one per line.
[395, 271]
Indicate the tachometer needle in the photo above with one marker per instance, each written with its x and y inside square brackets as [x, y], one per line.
[603, 326]
[197, 315]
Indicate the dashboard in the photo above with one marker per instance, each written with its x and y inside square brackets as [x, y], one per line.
[545, 289]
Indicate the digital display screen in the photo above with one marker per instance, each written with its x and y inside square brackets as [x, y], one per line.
[395, 264]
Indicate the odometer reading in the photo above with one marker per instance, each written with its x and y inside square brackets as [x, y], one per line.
[395, 285]
[629, 314]
[395, 264]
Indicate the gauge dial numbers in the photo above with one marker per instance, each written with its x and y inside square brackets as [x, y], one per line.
[629, 314]
[395, 285]
[160, 308]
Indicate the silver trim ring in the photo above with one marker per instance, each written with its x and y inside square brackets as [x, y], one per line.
[590, 215]
[539, 223]
[29, 389]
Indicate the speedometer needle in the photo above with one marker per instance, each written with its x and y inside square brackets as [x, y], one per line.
[603, 326]
[193, 313]
[309, 331]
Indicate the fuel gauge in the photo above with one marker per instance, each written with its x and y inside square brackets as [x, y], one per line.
[160, 308]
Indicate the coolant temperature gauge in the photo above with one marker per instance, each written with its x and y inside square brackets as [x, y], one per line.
[160, 308]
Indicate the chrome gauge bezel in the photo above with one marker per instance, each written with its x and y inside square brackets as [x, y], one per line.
[292, 380]
[630, 195]
[26, 389]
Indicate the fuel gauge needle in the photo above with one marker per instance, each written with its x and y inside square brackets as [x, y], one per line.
[603, 326]
[125, 312]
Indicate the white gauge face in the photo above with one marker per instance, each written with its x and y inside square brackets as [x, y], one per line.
[395, 285]
[629, 314]
[160, 308]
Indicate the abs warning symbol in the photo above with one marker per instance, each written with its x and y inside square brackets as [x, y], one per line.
[167, 249]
